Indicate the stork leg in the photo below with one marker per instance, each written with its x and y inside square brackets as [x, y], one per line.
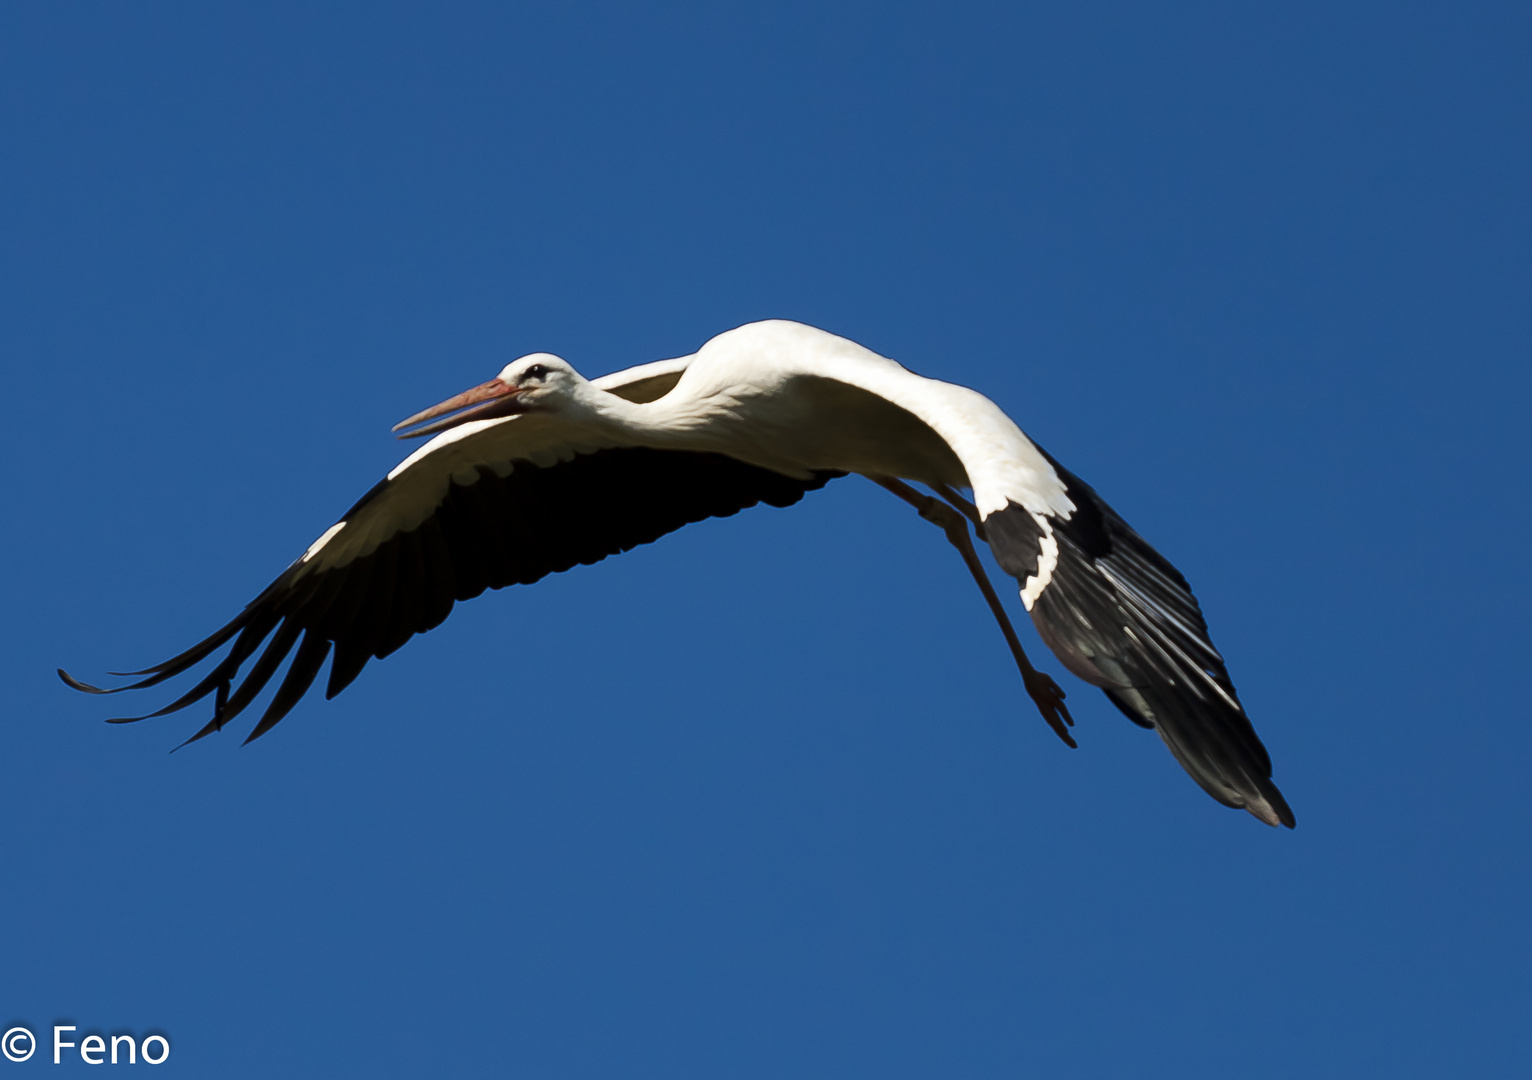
[969, 510]
[953, 520]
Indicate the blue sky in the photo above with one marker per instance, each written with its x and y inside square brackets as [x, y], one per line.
[767, 798]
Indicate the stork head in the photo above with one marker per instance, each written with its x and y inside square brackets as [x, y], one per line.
[537, 382]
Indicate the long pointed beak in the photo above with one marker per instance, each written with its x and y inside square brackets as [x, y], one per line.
[491, 399]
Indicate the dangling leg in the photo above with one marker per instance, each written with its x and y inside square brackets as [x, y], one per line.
[1045, 693]
[970, 511]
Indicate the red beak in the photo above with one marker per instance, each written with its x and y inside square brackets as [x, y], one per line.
[487, 400]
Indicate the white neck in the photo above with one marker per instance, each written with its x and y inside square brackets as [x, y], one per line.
[676, 420]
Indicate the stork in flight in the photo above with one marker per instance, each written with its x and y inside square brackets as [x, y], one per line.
[539, 469]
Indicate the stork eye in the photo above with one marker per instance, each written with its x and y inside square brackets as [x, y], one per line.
[536, 371]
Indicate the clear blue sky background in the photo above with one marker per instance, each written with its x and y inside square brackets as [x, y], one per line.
[766, 798]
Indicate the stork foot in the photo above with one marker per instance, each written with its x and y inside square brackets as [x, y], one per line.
[1048, 696]
[944, 517]
[953, 520]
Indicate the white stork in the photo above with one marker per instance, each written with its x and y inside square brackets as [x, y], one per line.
[539, 469]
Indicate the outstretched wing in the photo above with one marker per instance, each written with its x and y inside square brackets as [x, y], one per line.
[1120, 616]
[487, 504]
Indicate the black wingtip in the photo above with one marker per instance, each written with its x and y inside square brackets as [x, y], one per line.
[212, 726]
[83, 687]
[1285, 815]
